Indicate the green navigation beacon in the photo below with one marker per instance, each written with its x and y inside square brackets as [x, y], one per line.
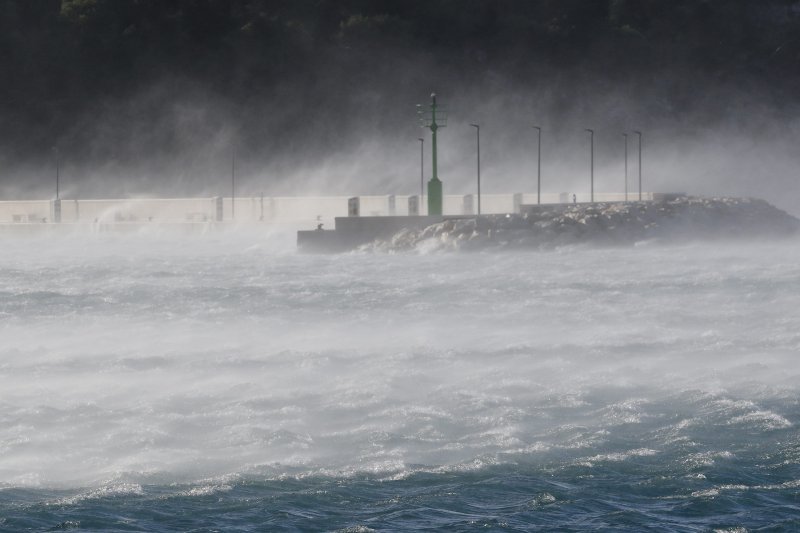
[437, 118]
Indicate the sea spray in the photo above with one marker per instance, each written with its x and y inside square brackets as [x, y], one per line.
[145, 378]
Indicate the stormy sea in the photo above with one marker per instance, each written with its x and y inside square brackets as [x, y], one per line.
[223, 382]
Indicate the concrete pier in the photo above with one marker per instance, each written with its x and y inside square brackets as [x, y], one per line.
[352, 232]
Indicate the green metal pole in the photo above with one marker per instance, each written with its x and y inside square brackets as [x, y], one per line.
[434, 185]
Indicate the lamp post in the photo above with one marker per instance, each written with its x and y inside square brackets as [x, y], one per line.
[591, 164]
[625, 136]
[58, 169]
[639, 133]
[421, 172]
[478, 137]
[233, 186]
[539, 168]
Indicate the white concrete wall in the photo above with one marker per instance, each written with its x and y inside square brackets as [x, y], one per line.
[70, 210]
[372, 206]
[547, 198]
[142, 210]
[585, 197]
[24, 211]
[304, 211]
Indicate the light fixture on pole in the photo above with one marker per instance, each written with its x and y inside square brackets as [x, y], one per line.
[591, 164]
[58, 169]
[639, 133]
[421, 172]
[539, 168]
[478, 134]
[625, 136]
[233, 186]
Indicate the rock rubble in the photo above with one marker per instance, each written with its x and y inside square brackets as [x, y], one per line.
[679, 219]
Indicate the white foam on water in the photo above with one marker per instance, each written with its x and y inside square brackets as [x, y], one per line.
[124, 360]
[103, 492]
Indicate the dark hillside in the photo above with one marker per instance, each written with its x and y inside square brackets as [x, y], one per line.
[114, 79]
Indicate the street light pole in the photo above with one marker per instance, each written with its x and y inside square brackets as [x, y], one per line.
[639, 133]
[625, 136]
[421, 172]
[478, 133]
[539, 168]
[591, 164]
[58, 169]
[233, 186]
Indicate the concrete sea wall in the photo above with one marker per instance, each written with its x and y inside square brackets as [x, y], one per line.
[259, 208]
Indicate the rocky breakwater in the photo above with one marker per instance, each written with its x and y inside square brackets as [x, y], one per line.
[680, 219]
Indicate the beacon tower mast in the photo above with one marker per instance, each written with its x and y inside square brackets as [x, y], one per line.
[434, 120]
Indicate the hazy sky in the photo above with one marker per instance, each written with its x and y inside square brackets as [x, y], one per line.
[335, 113]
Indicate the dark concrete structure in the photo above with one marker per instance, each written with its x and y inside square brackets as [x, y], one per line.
[352, 232]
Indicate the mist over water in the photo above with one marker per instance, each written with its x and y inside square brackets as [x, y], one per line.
[216, 370]
[221, 381]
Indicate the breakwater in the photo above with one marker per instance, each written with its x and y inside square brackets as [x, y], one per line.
[541, 226]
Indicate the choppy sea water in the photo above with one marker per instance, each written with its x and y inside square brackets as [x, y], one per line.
[223, 382]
